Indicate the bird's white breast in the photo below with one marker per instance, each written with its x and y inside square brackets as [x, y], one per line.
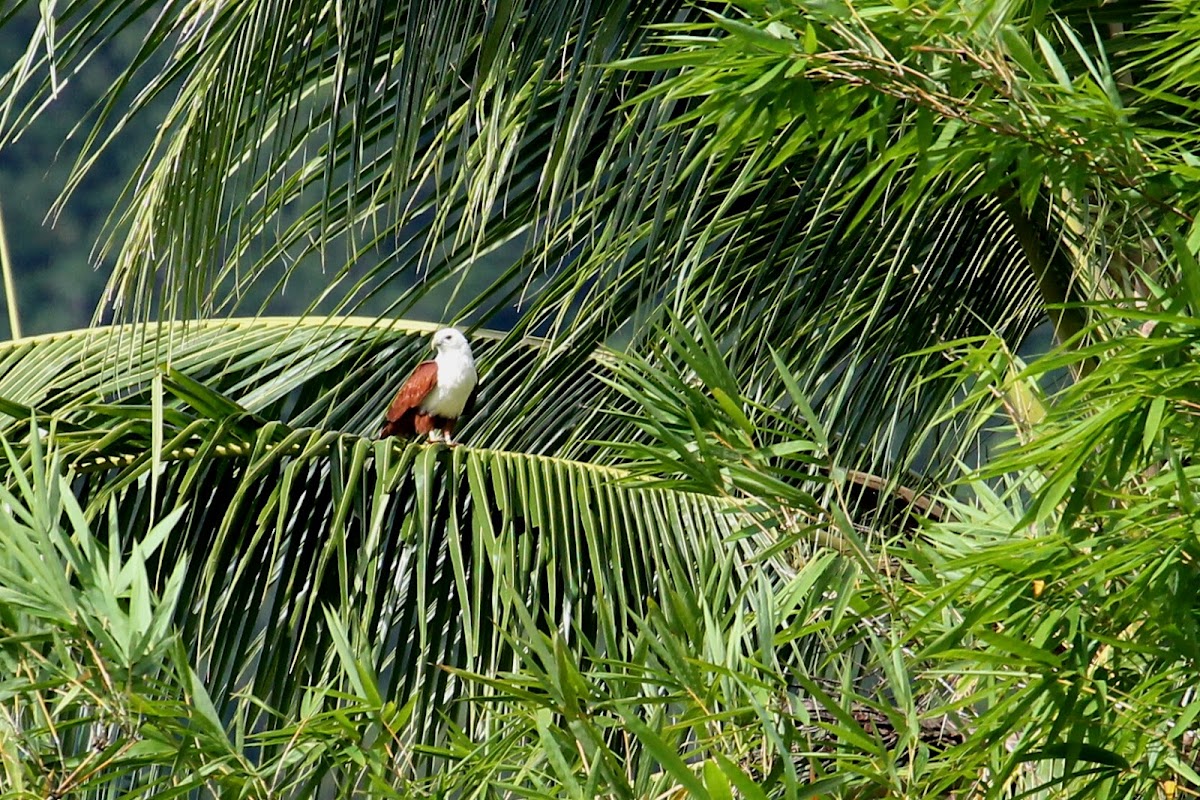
[455, 381]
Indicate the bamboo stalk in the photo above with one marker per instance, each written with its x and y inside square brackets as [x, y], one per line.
[10, 287]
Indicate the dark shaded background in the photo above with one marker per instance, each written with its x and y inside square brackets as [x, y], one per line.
[58, 282]
[61, 271]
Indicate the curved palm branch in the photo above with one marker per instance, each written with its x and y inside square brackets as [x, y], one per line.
[824, 219]
[430, 556]
[477, 178]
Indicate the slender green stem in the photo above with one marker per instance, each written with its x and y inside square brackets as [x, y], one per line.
[10, 287]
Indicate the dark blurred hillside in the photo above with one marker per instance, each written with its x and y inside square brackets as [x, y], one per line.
[58, 286]
[60, 274]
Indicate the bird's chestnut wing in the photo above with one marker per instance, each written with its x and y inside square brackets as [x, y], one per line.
[419, 383]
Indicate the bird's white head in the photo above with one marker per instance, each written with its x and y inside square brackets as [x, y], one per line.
[449, 340]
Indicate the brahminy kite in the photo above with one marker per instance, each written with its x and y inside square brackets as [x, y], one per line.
[435, 394]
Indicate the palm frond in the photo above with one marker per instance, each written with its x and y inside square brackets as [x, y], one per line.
[586, 201]
[428, 555]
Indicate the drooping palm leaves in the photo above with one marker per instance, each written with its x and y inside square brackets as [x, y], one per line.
[592, 198]
[843, 183]
[824, 189]
[429, 557]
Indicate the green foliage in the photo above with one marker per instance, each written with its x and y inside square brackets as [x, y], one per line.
[427, 556]
[404, 176]
[1072, 583]
[96, 683]
[1046, 626]
[770, 548]
[717, 442]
